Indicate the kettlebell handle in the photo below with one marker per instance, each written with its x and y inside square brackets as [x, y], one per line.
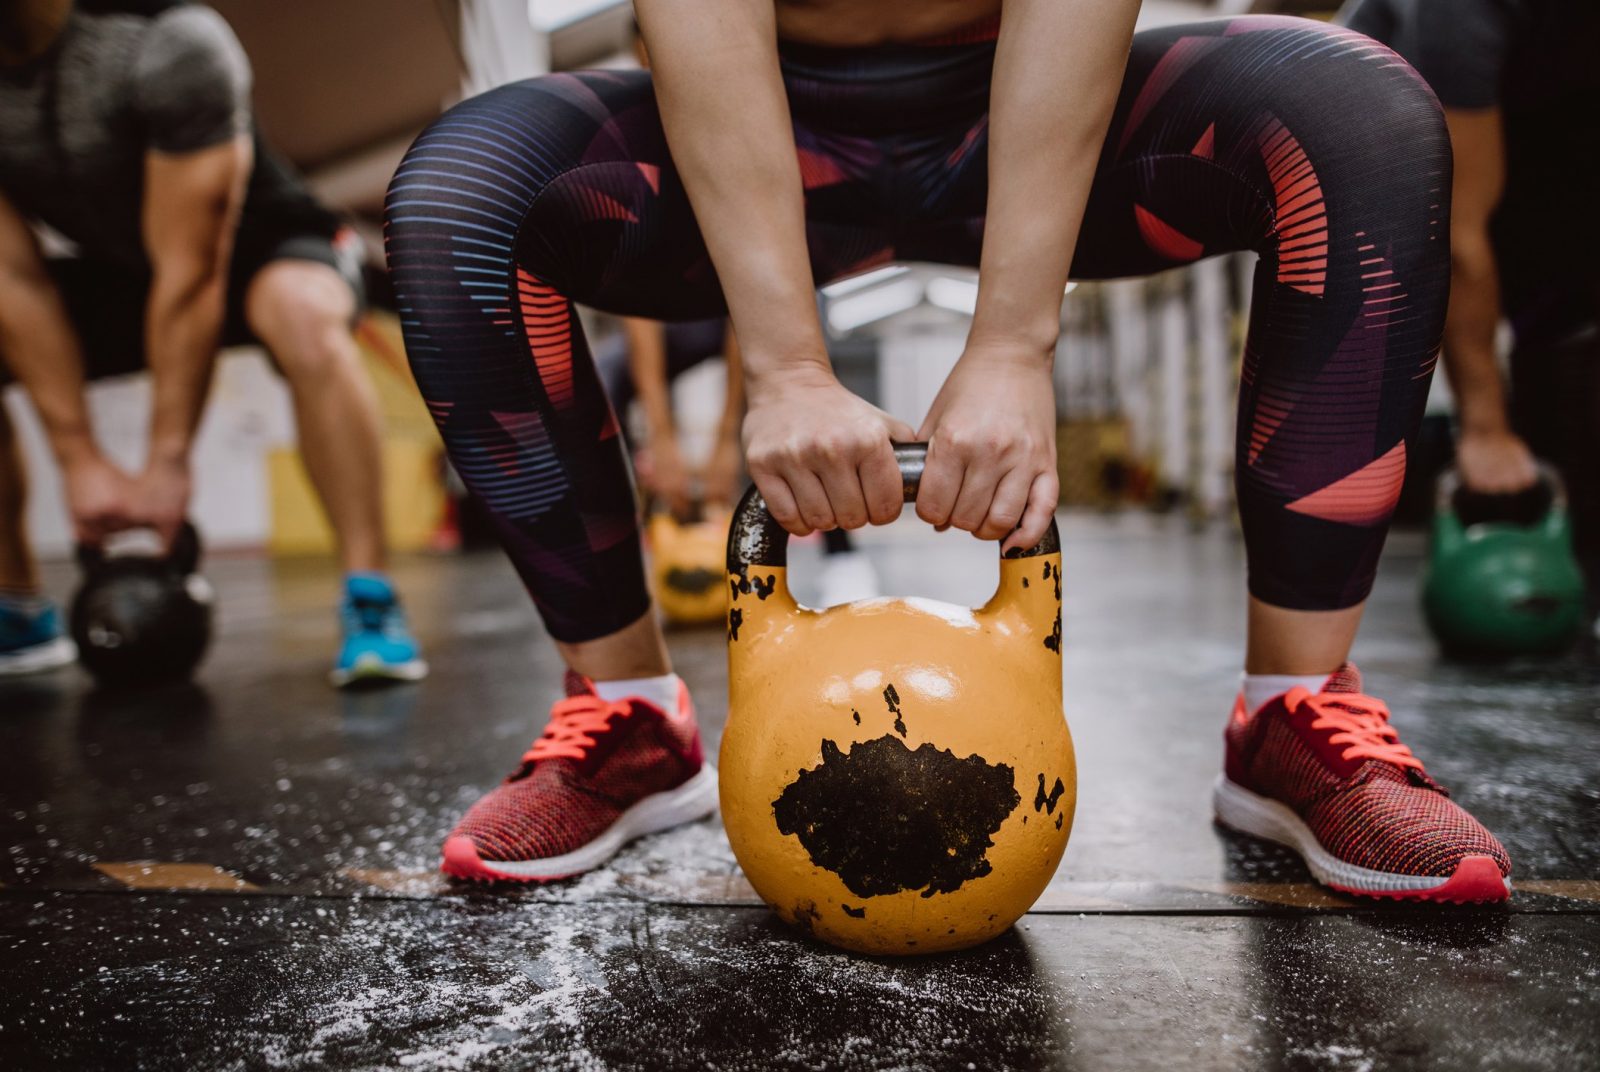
[1450, 482]
[184, 555]
[756, 539]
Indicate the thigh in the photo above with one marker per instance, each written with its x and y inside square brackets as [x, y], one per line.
[106, 304]
[573, 174]
[613, 227]
[1259, 133]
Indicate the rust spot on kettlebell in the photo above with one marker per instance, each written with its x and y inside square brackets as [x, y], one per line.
[806, 916]
[892, 698]
[764, 588]
[735, 620]
[853, 912]
[1053, 641]
[1041, 802]
[855, 715]
[1060, 817]
[886, 818]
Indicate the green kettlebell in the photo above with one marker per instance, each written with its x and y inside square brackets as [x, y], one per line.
[1498, 584]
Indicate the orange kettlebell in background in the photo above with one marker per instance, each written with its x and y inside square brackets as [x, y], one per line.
[896, 774]
[686, 560]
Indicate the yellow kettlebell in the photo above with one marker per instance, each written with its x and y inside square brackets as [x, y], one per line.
[687, 565]
[896, 774]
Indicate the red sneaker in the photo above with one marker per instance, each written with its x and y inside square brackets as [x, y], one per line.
[1327, 776]
[599, 776]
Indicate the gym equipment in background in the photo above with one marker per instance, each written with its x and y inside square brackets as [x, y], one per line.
[686, 562]
[142, 619]
[1501, 576]
[897, 776]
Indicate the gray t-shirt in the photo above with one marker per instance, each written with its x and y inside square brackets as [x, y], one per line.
[76, 123]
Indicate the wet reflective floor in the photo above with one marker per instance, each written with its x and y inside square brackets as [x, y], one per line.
[240, 873]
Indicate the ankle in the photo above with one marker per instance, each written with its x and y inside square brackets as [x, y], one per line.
[1261, 689]
[661, 690]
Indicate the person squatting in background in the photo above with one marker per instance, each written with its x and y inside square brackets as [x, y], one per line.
[1520, 87]
[129, 132]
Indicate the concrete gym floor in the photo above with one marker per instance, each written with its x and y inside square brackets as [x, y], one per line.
[239, 874]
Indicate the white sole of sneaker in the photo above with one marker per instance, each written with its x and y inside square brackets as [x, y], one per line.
[374, 670]
[39, 658]
[694, 799]
[1256, 815]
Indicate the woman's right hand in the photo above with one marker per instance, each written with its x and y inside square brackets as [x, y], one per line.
[822, 457]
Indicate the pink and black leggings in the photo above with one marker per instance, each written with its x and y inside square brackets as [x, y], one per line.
[1313, 146]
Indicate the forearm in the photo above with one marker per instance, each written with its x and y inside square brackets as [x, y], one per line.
[39, 345]
[733, 400]
[726, 117]
[1058, 69]
[183, 326]
[1469, 337]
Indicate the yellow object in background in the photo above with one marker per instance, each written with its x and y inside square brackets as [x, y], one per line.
[1094, 456]
[687, 564]
[413, 501]
[414, 497]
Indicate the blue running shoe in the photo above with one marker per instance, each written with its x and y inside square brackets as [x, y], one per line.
[378, 645]
[31, 640]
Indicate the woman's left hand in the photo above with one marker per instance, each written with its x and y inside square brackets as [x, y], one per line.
[991, 436]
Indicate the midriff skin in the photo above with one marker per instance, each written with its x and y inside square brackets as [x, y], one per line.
[860, 23]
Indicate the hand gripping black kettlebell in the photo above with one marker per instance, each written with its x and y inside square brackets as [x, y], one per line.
[142, 619]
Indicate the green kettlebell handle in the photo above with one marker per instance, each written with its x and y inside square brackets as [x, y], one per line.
[756, 539]
[1450, 482]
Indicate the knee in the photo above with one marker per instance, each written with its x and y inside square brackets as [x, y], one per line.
[462, 187]
[1362, 90]
[305, 322]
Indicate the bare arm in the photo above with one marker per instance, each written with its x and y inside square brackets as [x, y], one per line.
[1058, 70]
[715, 67]
[733, 400]
[821, 456]
[721, 475]
[38, 343]
[1491, 458]
[664, 477]
[991, 460]
[647, 365]
[191, 209]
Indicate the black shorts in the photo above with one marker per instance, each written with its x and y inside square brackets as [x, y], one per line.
[106, 302]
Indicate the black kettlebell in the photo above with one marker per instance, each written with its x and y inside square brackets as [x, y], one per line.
[142, 619]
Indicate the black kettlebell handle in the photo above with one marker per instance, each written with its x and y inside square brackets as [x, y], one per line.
[183, 556]
[756, 538]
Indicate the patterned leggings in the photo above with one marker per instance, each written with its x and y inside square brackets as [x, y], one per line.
[1313, 146]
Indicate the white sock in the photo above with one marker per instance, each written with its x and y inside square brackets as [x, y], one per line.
[661, 691]
[1259, 688]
